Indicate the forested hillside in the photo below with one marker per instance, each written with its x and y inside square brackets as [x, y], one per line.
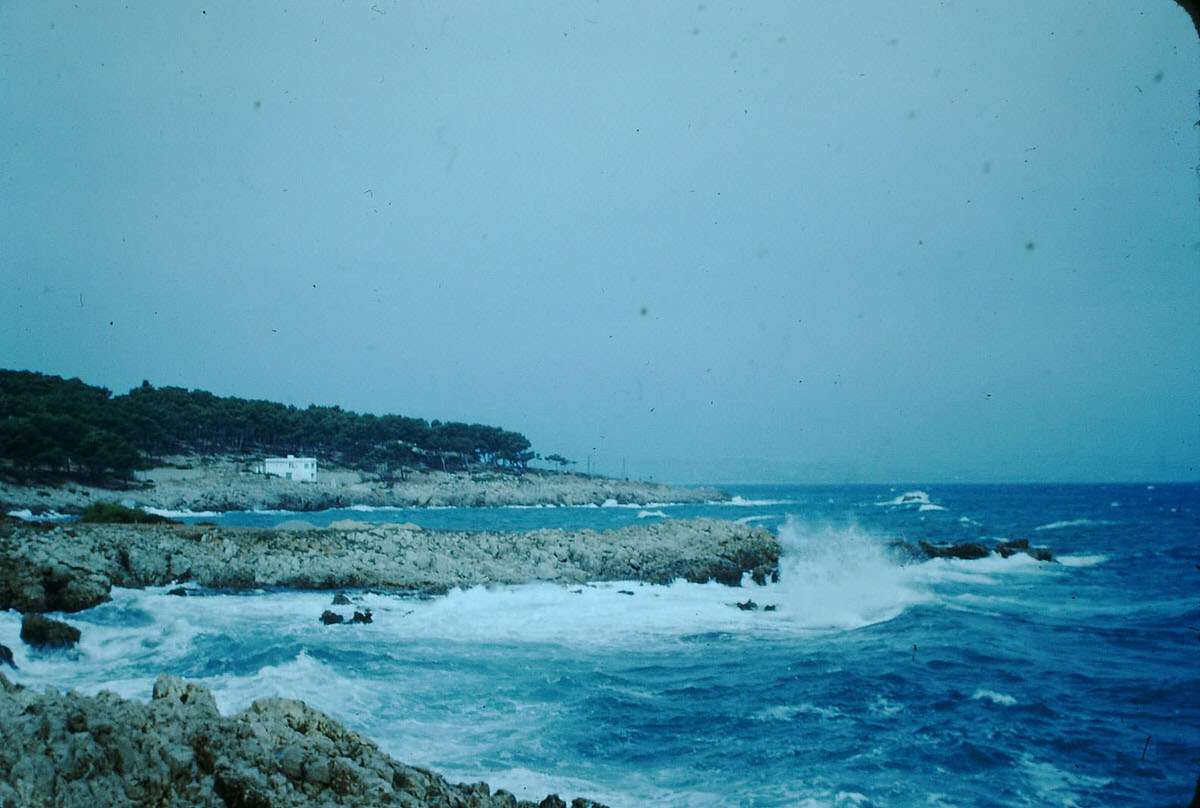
[51, 425]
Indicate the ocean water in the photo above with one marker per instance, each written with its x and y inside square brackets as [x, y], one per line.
[872, 682]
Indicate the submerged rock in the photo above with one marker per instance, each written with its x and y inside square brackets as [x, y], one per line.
[72, 751]
[748, 606]
[340, 599]
[361, 617]
[42, 632]
[6, 657]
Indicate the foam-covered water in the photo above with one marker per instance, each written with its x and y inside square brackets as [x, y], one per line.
[858, 679]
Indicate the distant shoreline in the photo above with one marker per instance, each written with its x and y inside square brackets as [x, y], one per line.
[194, 484]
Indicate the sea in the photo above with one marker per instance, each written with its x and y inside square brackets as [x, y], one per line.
[860, 679]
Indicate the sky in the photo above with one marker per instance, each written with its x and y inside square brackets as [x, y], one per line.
[691, 242]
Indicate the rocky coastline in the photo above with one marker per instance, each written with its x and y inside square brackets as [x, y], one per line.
[69, 567]
[73, 751]
[194, 484]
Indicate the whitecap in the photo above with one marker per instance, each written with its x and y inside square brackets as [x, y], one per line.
[929, 506]
[885, 707]
[1002, 699]
[742, 502]
[1053, 785]
[789, 712]
[745, 520]
[1082, 560]
[649, 514]
[1075, 523]
[908, 498]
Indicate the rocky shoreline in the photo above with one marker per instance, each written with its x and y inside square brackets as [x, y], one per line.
[228, 484]
[70, 567]
[73, 751]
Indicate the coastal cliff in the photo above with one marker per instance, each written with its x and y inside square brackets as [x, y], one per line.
[225, 484]
[73, 751]
[71, 567]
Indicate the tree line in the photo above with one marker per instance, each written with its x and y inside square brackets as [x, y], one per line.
[56, 425]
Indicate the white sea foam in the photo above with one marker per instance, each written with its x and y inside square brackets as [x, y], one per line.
[840, 577]
[746, 520]
[1082, 560]
[1003, 699]
[1075, 523]
[649, 514]
[790, 712]
[918, 498]
[1055, 786]
[25, 514]
[741, 502]
[170, 514]
[885, 707]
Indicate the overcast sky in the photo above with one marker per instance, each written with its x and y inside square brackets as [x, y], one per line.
[945, 241]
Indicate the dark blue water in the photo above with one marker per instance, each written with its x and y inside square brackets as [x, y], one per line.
[873, 682]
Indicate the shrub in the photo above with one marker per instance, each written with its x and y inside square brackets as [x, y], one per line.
[112, 513]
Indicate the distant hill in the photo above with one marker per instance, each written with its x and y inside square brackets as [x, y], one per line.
[50, 426]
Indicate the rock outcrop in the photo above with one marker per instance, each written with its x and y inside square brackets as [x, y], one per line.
[72, 751]
[73, 567]
[38, 631]
[923, 550]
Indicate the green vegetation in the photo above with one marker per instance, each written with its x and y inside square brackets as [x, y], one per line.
[52, 426]
[112, 513]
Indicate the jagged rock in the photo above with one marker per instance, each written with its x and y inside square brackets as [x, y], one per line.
[36, 581]
[361, 617]
[967, 550]
[38, 631]
[1008, 548]
[748, 606]
[331, 618]
[6, 657]
[1014, 546]
[770, 607]
[341, 600]
[72, 751]
[179, 591]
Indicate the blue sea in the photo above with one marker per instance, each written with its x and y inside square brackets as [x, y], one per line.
[995, 682]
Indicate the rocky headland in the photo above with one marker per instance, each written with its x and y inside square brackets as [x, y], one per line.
[68, 567]
[230, 484]
[72, 751]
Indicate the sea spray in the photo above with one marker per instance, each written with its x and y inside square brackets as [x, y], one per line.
[839, 577]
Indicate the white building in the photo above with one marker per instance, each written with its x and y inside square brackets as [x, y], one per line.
[290, 467]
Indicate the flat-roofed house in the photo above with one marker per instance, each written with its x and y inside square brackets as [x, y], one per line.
[290, 467]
